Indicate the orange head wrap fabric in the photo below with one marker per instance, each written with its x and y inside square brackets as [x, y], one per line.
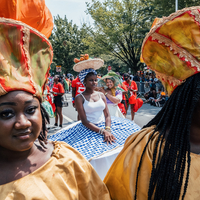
[25, 53]
[32, 12]
[172, 47]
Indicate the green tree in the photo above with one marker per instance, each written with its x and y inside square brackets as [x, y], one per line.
[67, 41]
[119, 29]
[116, 64]
[158, 8]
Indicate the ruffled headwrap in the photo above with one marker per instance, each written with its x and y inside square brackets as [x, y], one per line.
[84, 73]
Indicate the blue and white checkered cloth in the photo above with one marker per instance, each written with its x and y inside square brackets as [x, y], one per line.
[84, 73]
[89, 143]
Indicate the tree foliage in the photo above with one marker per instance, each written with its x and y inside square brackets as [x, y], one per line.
[117, 35]
[67, 41]
[116, 64]
[119, 29]
[166, 7]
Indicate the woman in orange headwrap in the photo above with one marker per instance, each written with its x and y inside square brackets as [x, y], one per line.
[31, 166]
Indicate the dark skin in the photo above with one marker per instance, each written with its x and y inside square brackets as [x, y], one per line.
[92, 96]
[195, 130]
[21, 123]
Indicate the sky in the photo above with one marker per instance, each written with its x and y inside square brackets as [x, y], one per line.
[73, 9]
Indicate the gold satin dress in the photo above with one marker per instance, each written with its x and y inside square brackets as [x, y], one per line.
[121, 177]
[65, 176]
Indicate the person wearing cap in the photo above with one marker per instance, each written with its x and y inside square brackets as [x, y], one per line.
[98, 133]
[162, 160]
[112, 92]
[31, 166]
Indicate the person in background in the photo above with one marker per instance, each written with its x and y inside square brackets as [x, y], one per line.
[161, 99]
[112, 92]
[77, 88]
[136, 77]
[58, 92]
[131, 89]
[150, 95]
[152, 82]
[131, 77]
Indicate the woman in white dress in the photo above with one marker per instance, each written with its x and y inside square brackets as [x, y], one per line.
[112, 92]
[97, 133]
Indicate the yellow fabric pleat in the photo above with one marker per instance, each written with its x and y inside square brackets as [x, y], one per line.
[121, 178]
[67, 175]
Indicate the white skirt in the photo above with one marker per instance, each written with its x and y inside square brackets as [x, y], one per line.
[115, 111]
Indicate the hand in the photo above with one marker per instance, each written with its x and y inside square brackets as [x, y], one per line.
[101, 90]
[73, 105]
[108, 137]
[124, 92]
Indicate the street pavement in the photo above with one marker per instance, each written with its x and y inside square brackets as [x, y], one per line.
[142, 117]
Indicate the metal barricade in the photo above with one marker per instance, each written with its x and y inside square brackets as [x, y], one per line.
[143, 87]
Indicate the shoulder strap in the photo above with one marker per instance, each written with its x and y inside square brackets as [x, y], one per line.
[82, 96]
[99, 95]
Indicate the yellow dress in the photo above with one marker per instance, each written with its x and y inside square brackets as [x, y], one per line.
[121, 177]
[65, 176]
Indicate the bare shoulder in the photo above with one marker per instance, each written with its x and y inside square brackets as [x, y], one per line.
[79, 97]
[102, 95]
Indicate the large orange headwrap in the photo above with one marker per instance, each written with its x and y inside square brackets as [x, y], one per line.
[25, 53]
[32, 12]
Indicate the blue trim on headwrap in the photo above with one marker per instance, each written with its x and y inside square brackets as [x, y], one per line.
[84, 73]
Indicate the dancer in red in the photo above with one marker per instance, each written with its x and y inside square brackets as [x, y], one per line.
[58, 91]
[131, 93]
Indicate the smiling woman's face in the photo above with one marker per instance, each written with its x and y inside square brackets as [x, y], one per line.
[109, 83]
[20, 120]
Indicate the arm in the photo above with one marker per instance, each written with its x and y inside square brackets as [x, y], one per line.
[108, 137]
[113, 99]
[79, 106]
[117, 99]
[61, 89]
[134, 86]
[106, 112]
[73, 96]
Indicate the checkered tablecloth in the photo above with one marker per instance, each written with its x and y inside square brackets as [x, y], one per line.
[90, 144]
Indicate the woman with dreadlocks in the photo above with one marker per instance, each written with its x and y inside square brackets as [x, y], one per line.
[31, 166]
[162, 160]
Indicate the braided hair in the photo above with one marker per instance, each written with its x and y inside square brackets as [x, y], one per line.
[173, 123]
[43, 134]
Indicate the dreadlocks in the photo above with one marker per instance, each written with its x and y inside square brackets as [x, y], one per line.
[173, 123]
[43, 134]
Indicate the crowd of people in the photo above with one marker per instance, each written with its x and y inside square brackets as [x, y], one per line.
[158, 161]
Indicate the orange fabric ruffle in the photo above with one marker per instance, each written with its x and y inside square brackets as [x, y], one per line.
[34, 13]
